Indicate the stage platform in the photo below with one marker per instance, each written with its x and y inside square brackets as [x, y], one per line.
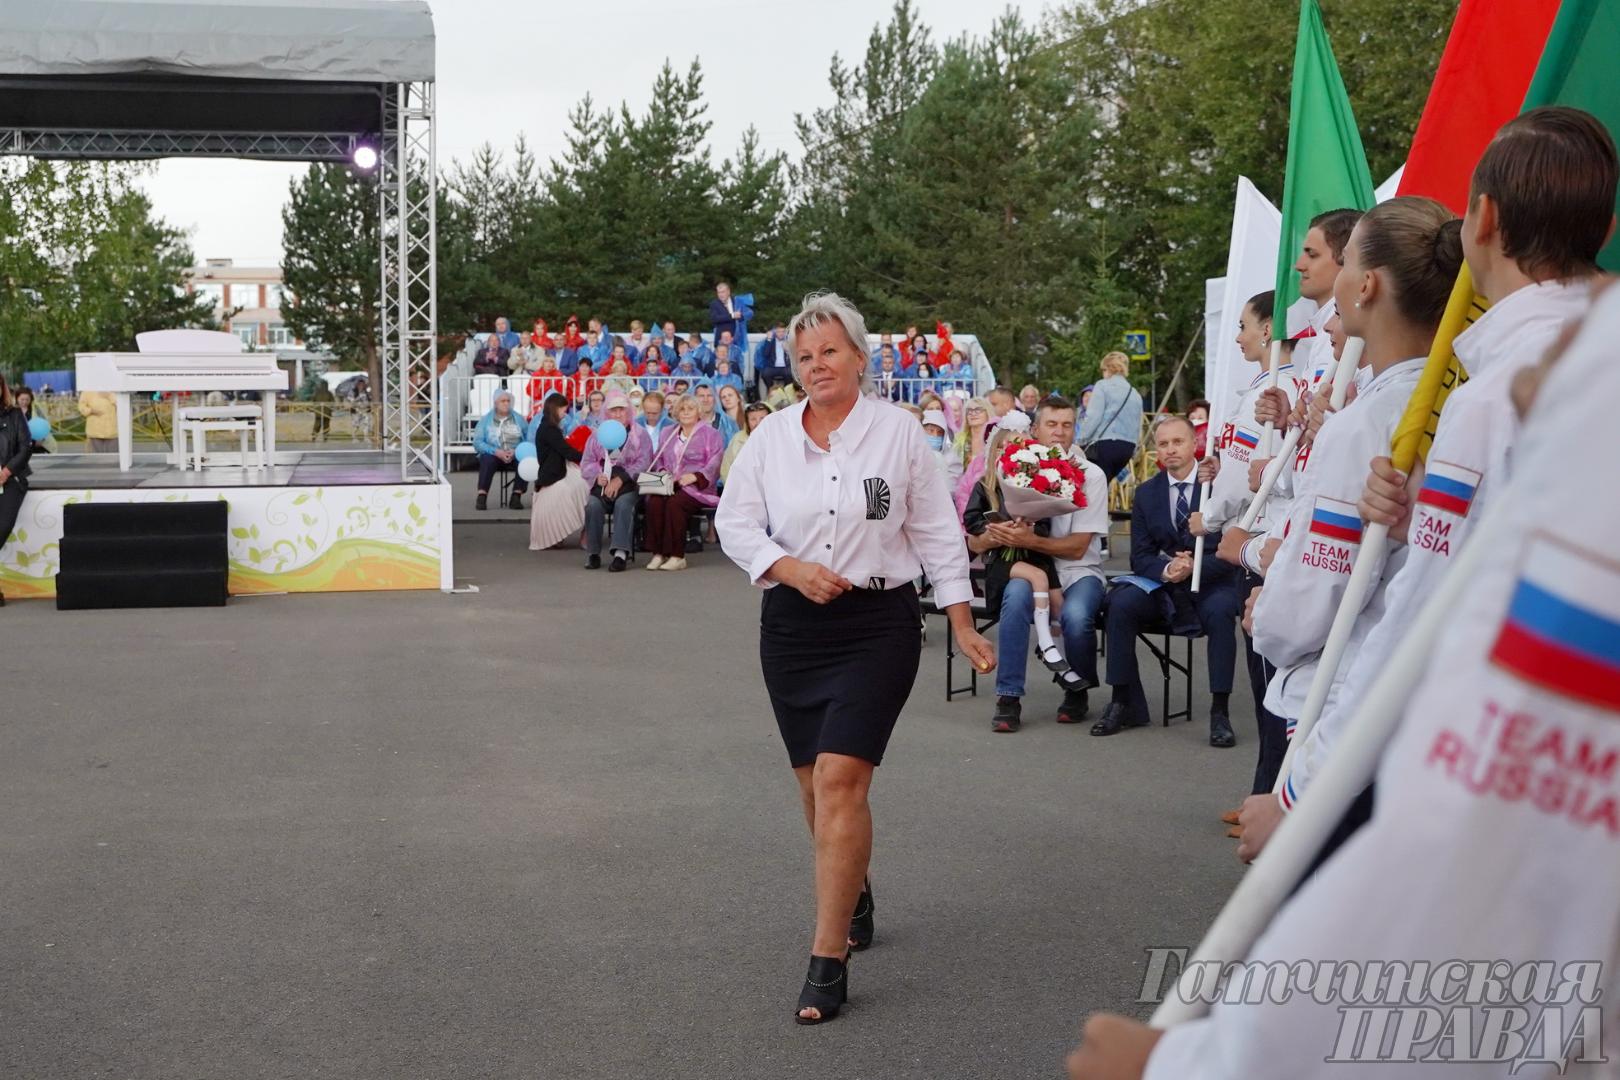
[293, 468]
[316, 521]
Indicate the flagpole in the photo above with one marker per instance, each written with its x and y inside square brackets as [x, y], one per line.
[1198, 544]
[1299, 838]
[1273, 368]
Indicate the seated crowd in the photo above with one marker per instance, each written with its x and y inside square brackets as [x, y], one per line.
[634, 435]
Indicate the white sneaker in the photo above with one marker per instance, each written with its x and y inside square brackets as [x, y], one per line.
[655, 562]
[674, 564]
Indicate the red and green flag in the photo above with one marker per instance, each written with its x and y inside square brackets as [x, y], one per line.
[1575, 69]
[1578, 69]
[1490, 56]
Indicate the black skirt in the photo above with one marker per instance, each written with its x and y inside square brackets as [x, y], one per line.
[839, 673]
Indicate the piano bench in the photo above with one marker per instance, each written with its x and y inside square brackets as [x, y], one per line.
[196, 422]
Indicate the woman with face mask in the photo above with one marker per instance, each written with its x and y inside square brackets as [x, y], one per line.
[945, 455]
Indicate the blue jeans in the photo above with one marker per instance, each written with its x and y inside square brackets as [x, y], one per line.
[1081, 602]
[624, 521]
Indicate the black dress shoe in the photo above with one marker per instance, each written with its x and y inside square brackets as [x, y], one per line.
[517, 501]
[1113, 719]
[593, 562]
[617, 565]
[483, 501]
[1220, 731]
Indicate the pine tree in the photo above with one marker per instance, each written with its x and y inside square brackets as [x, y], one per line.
[329, 265]
[84, 264]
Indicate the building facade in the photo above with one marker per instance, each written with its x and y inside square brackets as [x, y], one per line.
[247, 301]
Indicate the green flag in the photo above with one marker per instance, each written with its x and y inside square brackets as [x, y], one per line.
[1577, 69]
[1327, 168]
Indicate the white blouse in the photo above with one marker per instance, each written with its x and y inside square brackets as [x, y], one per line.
[872, 507]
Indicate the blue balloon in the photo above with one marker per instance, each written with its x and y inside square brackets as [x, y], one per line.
[611, 434]
[525, 451]
[39, 429]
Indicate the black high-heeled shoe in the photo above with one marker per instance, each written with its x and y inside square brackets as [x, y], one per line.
[861, 927]
[826, 989]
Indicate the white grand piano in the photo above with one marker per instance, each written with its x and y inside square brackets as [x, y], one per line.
[182, 361]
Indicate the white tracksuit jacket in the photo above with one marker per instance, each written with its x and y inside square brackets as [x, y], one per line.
[1496, 832]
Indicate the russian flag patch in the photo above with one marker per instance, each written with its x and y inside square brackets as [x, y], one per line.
[1562, 630]
[1336, 520]
[1449, 488]
[1246, 438]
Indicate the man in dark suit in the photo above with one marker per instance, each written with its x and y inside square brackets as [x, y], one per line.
[723, 313]
[1161, 550]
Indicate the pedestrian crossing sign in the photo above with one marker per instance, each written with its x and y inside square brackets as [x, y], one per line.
[1139, 344]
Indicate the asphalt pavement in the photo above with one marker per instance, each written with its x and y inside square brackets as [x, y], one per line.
[547, 829]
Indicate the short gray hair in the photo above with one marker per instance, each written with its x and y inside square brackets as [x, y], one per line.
[819, 309]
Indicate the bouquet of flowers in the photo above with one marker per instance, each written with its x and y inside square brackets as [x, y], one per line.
[1039, 481]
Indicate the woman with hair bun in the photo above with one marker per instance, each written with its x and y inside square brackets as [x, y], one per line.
[1399, 268]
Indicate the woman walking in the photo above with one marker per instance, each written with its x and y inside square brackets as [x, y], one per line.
[834, 507]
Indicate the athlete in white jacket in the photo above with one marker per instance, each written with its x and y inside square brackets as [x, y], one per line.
[1535, 294]
[1493, 855]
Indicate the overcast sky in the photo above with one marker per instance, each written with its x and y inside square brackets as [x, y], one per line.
[506, 66]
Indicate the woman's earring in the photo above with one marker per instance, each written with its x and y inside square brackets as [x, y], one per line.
[1358, 303]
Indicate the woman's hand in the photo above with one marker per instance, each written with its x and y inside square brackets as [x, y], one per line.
[973, 645]
[1259, 818]
[1257, 472]
[1271, 407]
[1318, 411]
[687, 479]
[1248, 609]
[817, 583]
[1112, 1048]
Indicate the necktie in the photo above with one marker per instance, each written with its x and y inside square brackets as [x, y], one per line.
[1182, 510]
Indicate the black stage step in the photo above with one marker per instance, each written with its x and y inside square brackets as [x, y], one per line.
[117, 555]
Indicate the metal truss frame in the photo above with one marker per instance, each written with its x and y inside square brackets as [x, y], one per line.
[408, 226]
[103, 144]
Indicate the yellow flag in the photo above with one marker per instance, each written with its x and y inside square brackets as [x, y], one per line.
[1441, 375]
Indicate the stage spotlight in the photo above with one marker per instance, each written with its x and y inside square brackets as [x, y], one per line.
[365, 157]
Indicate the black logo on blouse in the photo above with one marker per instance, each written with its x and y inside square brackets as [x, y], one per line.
[877, 499]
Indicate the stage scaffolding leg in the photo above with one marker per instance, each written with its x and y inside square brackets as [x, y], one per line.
[408, 316]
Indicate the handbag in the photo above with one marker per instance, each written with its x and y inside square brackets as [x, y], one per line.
[656, 483]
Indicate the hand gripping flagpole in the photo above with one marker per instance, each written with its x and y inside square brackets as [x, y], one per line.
[1300, 836]
[1343, 374]
[1273, 367]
